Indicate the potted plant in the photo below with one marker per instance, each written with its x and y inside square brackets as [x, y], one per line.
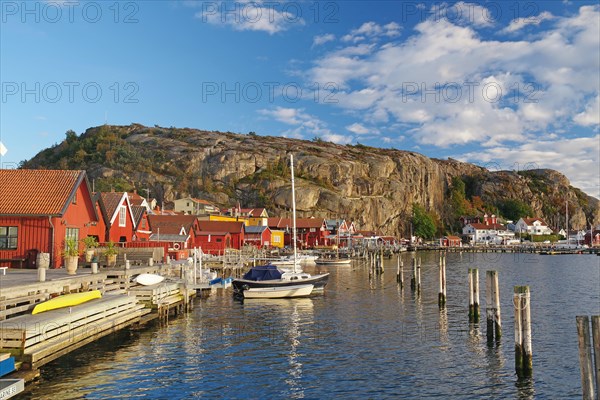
[71, 255]
[111, 252]
[90, 244]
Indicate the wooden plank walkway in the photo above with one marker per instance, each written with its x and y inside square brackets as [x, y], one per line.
[41, 338]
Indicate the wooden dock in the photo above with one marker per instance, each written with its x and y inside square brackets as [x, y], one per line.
[35, 340]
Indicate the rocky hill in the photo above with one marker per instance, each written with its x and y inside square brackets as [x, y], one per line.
[374, 187]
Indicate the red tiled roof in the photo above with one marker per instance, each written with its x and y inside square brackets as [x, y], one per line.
[37, 192]
[202, 201]
[111, 202]
[138, 212]
[490, 226]
[452, 237]
[171, 224]
[301, 223]
[135, 199]
[252, 212]
[221, 226]
[530, 221]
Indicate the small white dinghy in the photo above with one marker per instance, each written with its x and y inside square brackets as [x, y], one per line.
[149, 279]
[278, 292]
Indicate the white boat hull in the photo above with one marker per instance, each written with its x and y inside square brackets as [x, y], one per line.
[334, 261]
[149, 279]
[278, 292]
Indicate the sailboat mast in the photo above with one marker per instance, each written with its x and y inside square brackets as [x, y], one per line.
[293, 208]
[567, 221]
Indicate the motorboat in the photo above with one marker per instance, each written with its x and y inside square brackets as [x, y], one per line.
[278, 292]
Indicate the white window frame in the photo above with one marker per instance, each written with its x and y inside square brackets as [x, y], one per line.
[123, 216]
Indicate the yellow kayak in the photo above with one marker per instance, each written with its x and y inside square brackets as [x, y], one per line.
[66, 300]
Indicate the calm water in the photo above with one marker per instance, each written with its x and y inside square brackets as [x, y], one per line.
[364, 338]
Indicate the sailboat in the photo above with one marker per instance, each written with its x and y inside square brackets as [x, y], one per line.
[262, 279]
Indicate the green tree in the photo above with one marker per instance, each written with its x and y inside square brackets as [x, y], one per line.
[514, 209]
[423, 222]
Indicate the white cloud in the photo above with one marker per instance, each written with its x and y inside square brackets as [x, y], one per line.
[442, 80]
[577, 158]
[321, 39]
[251, 15]
[372, 30]
[335, 138]
[591, 115]
[306, 126]
[519, 23]
[358, 129]
[463, 13]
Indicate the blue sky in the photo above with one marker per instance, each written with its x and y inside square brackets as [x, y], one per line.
[507, 85]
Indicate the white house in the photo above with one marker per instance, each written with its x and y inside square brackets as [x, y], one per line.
[532, 226]
[192, 206]
[487, 233]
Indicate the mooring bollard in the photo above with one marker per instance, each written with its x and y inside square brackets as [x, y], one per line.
[41, 273]
[523, 349]
[473, 295]
[492, 306]
[94, 267]
[151, 262]
[442, 277]
[589, 352]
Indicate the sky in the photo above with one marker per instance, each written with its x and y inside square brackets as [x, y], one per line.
[503, 84]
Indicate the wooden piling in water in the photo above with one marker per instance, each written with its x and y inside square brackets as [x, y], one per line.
[419, 276]
[523, 349]
[442, 277]
[413, 279]
[400, 274]
[492, 306]
[585, 357]
[381, 267]
[596, 340]
[473, 295]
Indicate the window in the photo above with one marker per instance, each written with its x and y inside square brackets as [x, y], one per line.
[73, 233]
[143, 224]
[74, 201]
[8, 237]
[122, 216]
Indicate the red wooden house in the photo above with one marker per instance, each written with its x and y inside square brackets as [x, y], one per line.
[235, 229]
[39, 209]
[310, 232]
[213, 242]
[451, 241]
[118, 218]
[178, 230]
[592, 238]
[142, 230]
[257, 236]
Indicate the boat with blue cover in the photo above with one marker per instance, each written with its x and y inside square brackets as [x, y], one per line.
[265, 276]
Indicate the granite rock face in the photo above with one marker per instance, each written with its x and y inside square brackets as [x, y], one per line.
[373, 187]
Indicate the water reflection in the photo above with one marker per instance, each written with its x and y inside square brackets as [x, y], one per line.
[362, 339]
[292, 315]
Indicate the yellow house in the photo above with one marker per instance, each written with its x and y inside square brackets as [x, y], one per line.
[277, 239]
[226, 218]
[256, 216]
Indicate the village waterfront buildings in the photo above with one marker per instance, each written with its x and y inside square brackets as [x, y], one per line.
[41, 209]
